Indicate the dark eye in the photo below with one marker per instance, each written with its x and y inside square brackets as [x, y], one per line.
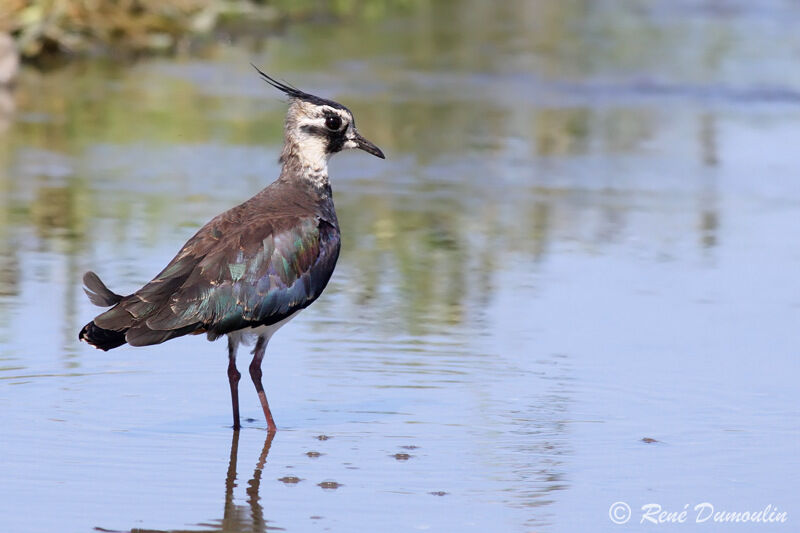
[333, 122]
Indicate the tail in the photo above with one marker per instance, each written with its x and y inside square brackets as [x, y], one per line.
[102, 296]
[118, 326]
[105, 339]
[98, 293]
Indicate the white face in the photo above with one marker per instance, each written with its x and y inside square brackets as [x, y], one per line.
[316, 127]
[350, 135]
[321, 130]
[324, 120]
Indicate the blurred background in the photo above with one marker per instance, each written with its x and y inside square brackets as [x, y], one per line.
[572, 282]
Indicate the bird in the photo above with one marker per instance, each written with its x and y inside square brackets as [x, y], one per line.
[251, 269]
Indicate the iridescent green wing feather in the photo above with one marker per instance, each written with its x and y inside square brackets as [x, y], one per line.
[258, 274]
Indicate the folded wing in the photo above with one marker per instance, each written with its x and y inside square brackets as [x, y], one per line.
[229, 278]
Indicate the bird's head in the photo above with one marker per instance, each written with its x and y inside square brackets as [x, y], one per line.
[316, 127]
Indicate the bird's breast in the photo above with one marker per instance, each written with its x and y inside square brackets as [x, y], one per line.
[246, 335]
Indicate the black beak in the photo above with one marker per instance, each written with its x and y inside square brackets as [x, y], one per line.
[368, 147]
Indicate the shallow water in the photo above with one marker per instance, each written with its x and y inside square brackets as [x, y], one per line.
[584, 235]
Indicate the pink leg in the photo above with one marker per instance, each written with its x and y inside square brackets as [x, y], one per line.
[255, 374]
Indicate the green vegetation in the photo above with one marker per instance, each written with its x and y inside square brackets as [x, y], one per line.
[44, 28]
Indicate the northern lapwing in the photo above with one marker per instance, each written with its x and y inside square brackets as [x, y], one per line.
[251, 269]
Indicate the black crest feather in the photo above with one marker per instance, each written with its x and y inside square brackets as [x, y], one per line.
[294, 92]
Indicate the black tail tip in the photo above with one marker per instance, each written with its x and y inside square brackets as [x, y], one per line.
[104, 339]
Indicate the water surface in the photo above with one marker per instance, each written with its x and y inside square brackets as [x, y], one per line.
[584, 235]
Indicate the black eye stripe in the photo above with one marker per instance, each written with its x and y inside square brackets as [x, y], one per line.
[318, 131]
[334, 139]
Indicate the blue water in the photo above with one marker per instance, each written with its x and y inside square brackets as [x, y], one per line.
[573, 282]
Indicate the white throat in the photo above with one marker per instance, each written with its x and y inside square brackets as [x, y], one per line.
[314, 162]
[308, 161]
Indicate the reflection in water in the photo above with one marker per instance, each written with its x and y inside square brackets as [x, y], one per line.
[236, 518]
[709, 211]
[241, 518]
[444, 227]
[79, 171]
[537, 439]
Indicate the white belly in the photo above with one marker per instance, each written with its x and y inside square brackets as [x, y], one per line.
[270, 330]
[247, 335]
